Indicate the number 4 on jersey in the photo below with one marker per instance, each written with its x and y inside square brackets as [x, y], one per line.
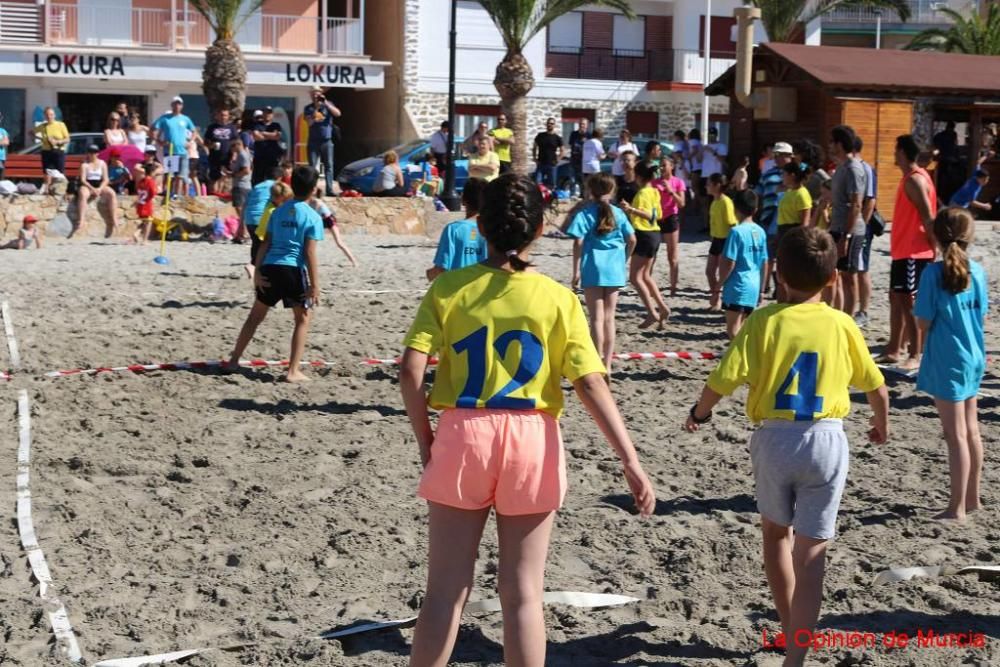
[804, 401]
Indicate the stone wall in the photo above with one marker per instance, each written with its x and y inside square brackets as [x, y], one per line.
[427, 110]
[369, 215]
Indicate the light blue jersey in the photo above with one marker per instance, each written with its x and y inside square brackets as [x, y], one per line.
[954, 355]
[174, 129]
[256, 202]
[460, 245]
[603, 261]
[290, 226]
[746, 245]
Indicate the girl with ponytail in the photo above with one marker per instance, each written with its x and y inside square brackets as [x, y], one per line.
[603, 240]
[950, 307]
[505, 337]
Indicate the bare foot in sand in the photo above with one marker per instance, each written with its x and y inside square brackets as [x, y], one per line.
[948, 515]
[911, 364]
[648, 322]
[297, 377]
[887, 359]
[250, 269]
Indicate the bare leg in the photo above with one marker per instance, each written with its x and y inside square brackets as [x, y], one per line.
[111, 201]
[712, 274]
[636, 267]
[610, 308]
[956, 435]
[778, 568]
[809, 562]
[864, 291]
[454, 543]
[257, 314]
[343, 246]
[654, 292]
[82, 198]
[975, 443]
[770, 270]
[524, 545]
[734, 322]
[673, 259]
[895, 344]
[593, 297]
[914, 336]
[849, 285]
[302, 317]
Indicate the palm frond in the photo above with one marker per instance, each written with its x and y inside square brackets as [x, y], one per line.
[520, 20]
[968, 34]
[824, 7]
[226, 16]
[781, 18]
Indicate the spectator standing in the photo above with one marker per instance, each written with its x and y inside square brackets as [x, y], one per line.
[121, 108]
[912, 247]
[54, 137]
[620, 147]
[626, 186]
[138, 134]
[653, 154]
[769, 189]
[471, 145]
[171, 132]
[267, 148]
[713, 154]
[503, 139]
[320, 114]
[484, 164]
[696, 167]
[950, 172]
[872, 229]
[390, 182]
[548, 149]
[240, 170]
[247, 123]
[847, 225]
[4, 143]
[592, 154]
[114, 135]
[439, 146]
[577, 139]
[218, 137]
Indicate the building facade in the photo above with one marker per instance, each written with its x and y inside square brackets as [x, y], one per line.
[862, 26]
[83, 56]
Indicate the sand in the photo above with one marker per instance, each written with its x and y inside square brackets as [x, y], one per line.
[190, 509]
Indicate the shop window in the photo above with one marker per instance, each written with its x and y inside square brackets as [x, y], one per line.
[12, 116]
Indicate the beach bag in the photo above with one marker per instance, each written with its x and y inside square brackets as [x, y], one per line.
[7, 188]
[27, 189]
[877, 223]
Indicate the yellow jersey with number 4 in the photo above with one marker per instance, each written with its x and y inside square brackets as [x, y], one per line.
[799, 360]
[504, 340]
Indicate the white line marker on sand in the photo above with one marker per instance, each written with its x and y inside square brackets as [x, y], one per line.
[58, 618]
[8, 327]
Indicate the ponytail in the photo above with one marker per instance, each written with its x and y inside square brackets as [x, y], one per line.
[954, 230]
[511, 216]
[602, 188]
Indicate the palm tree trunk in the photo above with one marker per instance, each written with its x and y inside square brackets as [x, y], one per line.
[513, 81]
[224, 77]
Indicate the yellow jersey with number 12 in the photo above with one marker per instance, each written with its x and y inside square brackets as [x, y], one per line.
[799, 360]
[504, 340]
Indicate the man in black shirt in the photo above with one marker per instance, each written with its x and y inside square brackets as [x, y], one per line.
[547, 151]
[218, 136]
[267, 149]
[576, 140]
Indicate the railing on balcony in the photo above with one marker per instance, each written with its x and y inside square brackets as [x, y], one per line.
[674, 65]
[187, 29]
[921, 12]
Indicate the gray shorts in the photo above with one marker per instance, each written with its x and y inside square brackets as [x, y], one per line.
[799, 470]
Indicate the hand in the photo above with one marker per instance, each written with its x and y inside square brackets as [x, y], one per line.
[691, 425]
[575, 282]
[641, 488]
[842, 247]
[259, 281]
[879, 433]
[313, 295]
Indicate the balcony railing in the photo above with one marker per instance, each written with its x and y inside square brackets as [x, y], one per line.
[187, 29]
[674, 65]
[922, 12]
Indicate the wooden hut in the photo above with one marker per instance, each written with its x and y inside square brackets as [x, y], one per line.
[807, 90]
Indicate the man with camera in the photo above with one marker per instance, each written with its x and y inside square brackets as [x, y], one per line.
[322, 134]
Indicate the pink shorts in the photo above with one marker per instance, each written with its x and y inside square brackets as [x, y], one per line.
[509, 459]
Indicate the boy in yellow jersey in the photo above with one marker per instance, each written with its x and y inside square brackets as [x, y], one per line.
[799, 359]
[503, 139]
[645, 213]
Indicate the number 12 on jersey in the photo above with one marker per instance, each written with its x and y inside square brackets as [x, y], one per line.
[475, 344]
[804, 401]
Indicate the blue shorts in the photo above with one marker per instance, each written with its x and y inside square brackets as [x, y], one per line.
[799, 471]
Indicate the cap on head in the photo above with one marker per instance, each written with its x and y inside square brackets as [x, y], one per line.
[268, 110]
[29, 219]
[177, 100]
[150, 150]
[257, 113]
[783, 148]
[93, 148]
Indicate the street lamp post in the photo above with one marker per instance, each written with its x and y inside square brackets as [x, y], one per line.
[708, 69]
[878, 28]
[451, 200]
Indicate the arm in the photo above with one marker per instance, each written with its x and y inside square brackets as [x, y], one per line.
[867, 210]
[726, 267]
[333, 109]
[433, 273]
[630, 246]
[312, 265]
[411, 385]
[879, 401]
[981, 206]
[709, 399]
[805, 216]
[399, 175]
[104, 177]
[916, 192]
[577, 254]
[596, 398]
[38, 239]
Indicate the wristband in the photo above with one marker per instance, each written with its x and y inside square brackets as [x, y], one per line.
[695, 419]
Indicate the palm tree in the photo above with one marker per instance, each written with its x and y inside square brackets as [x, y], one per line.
[781, 18]
[968, 34]
[518, 21]
[224, 77]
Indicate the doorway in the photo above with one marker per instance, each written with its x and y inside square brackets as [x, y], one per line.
[87, 112]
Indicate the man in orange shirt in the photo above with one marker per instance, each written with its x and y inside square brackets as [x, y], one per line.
[912, 248]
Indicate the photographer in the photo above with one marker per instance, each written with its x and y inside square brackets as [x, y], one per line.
[322, 134]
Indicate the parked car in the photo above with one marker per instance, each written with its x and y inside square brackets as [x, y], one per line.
[360, 175]
[78, 143]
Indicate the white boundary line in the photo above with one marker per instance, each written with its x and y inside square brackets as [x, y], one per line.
[58, 618]
[8, 327]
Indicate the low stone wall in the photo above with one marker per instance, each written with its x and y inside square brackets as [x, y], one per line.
[369, 215]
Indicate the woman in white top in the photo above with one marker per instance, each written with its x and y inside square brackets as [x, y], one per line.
[94, 185]
[593, 153]
[389, 182]
[623, 145]
[138, 134]
[713, 155]
[114, 135]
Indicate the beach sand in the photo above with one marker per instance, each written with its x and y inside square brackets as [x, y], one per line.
[192, 509]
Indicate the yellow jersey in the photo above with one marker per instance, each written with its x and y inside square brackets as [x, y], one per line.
[799, 360]
[721, 217]
[647, 199]
[264, 219]
[502, 150]
[504, 340]
[791, 206]
[49, 131]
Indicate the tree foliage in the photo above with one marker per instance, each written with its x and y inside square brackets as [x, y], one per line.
[973, 34]
[781, 18]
